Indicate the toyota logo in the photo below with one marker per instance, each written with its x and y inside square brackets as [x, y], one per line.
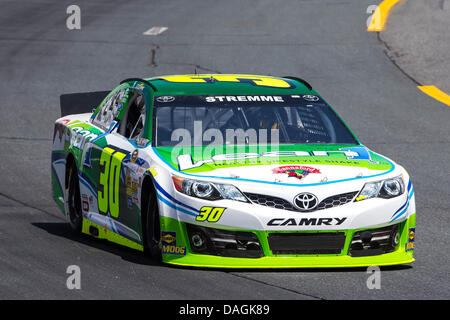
[310, 97]
[165, 99]
[305, 201]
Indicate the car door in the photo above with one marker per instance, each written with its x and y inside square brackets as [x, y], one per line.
[101, 163]
[130, 136]
[120, 167]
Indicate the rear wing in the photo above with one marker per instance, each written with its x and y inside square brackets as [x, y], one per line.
[83, 102]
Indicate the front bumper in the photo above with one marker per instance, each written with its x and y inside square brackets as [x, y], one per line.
[179, 250]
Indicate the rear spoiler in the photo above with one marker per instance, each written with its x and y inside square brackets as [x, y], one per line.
[83, 102]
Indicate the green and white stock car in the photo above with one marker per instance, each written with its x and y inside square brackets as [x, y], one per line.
[236, 171]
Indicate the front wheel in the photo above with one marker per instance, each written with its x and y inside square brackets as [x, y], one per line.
[74, 200]
[152, 235]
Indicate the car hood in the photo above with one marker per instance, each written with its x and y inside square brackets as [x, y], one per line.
[288, 164]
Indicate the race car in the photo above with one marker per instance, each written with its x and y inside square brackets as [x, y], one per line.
[229, 171]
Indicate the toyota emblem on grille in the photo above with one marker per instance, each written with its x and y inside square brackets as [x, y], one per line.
[306, 201]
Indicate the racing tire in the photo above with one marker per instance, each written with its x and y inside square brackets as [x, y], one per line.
[152, 234]
[74, 212]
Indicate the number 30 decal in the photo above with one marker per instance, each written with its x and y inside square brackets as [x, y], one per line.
[210, 214]
[111, 161]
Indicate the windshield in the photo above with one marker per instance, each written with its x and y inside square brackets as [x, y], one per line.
[247, 119]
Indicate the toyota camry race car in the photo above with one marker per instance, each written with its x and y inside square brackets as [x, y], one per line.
[229, 171]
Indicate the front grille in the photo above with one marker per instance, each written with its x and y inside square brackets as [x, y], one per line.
[306, 243]
[279, 203]
[269, 201]
[337, 200]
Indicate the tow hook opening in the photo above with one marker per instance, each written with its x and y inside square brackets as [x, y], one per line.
[375, 241]
[224, 243]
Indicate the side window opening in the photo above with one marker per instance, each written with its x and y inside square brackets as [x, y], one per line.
[108, 111]
[132, 124]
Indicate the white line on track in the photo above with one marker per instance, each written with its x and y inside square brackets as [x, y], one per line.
[154, 31]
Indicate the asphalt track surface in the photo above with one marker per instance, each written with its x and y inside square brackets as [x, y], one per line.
[424, 54]
[323, 41]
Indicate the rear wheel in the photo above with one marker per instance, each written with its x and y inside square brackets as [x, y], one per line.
[152, 226]
[73, 199]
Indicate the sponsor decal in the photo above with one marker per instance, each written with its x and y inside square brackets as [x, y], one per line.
[411, 239]
[60, 128]
[244, 99]
[142, 142]
[129, 201]
[296, 171]
[174, 250]
[85, 202]
[64, 121]
[306, 221]
[134, 187]
[185, 161]
[168, 238]
[129, 185]
[134, 155]
[82, 133]
[169, 244]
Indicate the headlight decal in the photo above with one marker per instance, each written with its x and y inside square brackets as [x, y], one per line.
[405, 206]
[208, 190]
[159, 190]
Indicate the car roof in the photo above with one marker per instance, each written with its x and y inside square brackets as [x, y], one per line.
[228, 84]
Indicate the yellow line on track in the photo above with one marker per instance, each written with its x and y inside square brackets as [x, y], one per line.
[380, 15]
[435, 93]
[378, 23]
